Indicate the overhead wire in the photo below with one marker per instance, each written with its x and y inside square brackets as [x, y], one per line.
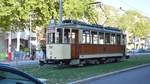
[133, 7]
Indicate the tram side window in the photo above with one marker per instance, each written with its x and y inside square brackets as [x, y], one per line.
[66, 36]
[94, 38]
[113, 39]
[107, 38]
[91, 38]
[101, 38]
[123, 39]
[86, 37]
[118, 39]
[73, 37]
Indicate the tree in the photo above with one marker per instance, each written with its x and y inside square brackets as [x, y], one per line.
[141, 29]
[135, 23]
[16, 12]
[112, 16]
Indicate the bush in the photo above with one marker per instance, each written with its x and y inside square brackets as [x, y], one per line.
[26, 49]
[3, 55]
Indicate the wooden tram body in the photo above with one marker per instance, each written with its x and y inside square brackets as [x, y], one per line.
[76, 43]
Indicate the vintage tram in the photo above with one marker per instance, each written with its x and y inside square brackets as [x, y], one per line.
[79, 43]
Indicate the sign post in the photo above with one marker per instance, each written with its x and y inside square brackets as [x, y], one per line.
[9, 47]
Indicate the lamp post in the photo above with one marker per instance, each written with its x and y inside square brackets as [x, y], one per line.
[60, 12]
[30, 27]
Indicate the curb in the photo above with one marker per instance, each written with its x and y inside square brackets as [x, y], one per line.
[21, 63]
[108, 74]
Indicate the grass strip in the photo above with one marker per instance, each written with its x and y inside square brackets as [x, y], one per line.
[69, 74]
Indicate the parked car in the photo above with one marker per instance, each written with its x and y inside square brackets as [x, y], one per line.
[138, 51]
[10, 75]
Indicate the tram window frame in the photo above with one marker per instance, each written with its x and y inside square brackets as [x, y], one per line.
[86, 37]
[118, 39]
[51, 37]
[113, 39]
[101, 38]
[123, 39]
[94, 37]
[57, 37]
[66, 36]
[107, 38]
[73, 37]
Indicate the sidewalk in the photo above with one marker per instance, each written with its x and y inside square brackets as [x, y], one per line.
[21, 62]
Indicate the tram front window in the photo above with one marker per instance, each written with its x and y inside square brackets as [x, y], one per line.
[62, 36]
[51, 37]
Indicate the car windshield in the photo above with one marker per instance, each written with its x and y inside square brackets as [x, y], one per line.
[12, 78]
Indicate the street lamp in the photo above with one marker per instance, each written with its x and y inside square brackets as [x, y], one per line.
[60, 12]
[30, 27]
[32, 17]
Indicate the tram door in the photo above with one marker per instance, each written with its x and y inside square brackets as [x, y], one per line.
[75, 44]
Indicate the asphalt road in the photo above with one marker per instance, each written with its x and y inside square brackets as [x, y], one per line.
[137, 76]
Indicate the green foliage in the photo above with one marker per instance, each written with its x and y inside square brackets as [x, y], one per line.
[16, 13]
[135, 23]
[141, 29]
[26, 49]
[3, 56]
[112, 15]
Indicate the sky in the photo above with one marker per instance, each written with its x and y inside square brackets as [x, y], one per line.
[142, 6]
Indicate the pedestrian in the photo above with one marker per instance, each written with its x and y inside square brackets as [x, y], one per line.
[41, 54]
[43, 47]
[33, 53]
[37, 54]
